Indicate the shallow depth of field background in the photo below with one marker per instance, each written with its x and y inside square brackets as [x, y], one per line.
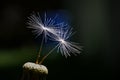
[96, 23]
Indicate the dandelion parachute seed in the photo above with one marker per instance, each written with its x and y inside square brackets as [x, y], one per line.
[39, 26]
[67, 47]
[45, 27]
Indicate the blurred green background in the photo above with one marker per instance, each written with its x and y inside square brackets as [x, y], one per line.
[96, 23]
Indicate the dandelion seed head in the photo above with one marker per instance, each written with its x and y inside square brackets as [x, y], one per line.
[41, 69]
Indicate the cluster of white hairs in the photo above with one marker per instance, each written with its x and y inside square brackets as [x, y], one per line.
[58, 32]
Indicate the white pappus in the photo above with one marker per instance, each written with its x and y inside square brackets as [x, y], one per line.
[65, 46]
[58, 32]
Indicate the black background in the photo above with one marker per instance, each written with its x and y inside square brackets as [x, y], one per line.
[96, 23]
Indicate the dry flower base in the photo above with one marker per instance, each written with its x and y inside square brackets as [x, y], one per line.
[33, 71]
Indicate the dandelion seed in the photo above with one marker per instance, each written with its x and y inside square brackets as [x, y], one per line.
[45, 27]
[66, 47]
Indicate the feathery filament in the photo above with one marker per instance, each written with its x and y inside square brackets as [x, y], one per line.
[57, 32]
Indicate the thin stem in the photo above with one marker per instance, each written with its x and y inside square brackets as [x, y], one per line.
[38, 56]
[48, 54]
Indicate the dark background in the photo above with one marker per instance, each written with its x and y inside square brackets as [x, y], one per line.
[96, 23]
